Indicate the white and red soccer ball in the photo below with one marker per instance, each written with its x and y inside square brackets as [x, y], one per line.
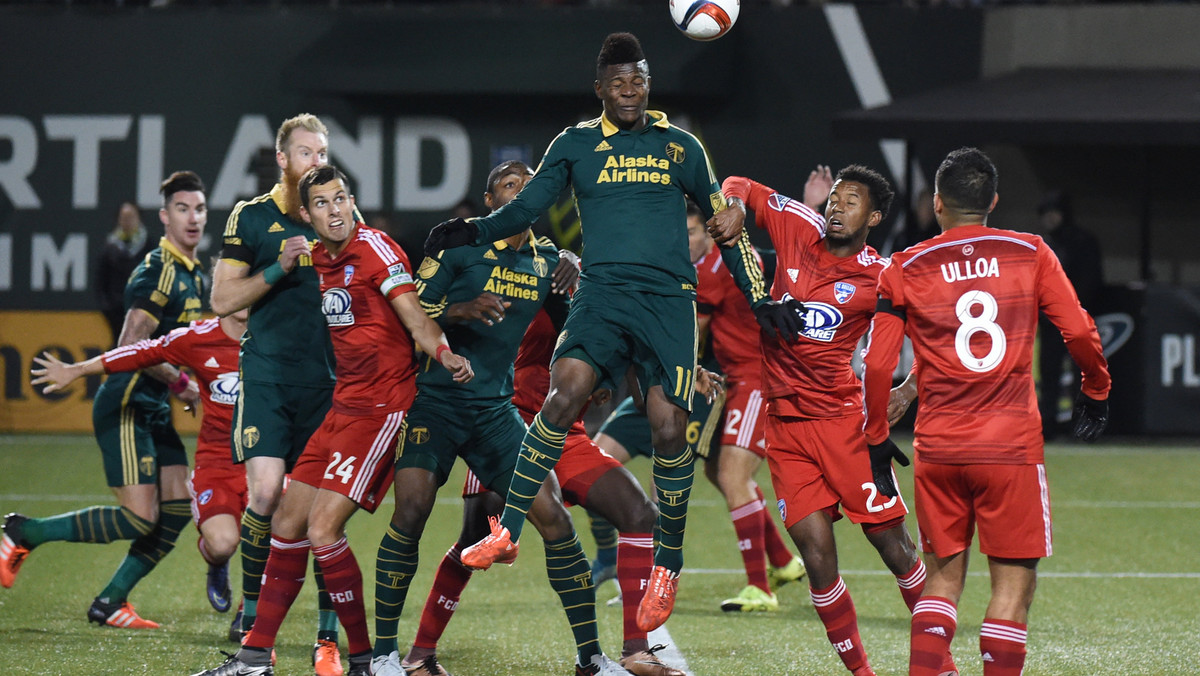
[704, 19]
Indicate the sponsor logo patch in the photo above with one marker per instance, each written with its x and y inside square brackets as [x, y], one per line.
[821, 321]
[676, 152]
[335, 303]
[603, 146]
[275, 227]
[843, 291]
[418, 435]
[250, 437]
[349, 274]
[429, 268]
[777, 201]
[224, 390]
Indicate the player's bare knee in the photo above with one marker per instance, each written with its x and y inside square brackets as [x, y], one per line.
[409, 518]
[221, 545]
[563, 404]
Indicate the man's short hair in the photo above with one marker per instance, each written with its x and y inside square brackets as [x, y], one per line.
[283, 139]
[320, 176]
[503, 169]
[966, 181]
[180, 181]
[693, 209]
[877, 186]
[619, 48]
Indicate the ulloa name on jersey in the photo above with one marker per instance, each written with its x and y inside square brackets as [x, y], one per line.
[961, 271]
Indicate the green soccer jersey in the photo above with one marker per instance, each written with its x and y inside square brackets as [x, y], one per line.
[630, 189]
[168, 286]
[519, 276]
[286, 340]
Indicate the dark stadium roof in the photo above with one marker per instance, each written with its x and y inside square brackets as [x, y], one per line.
[1050, 106]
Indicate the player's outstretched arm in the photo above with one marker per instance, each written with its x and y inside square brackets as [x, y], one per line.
[817, 187]
[56, 375]
[234, 288]
[429, 336]
[140, 325]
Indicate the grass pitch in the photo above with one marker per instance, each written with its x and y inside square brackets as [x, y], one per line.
[1118, 596]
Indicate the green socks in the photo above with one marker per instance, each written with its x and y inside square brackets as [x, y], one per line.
[92, 524]
[540, 450]
[146, 551]
[571, 578]
[673, 486]
[394, 569]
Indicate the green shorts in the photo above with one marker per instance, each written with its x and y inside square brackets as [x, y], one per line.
[275, 421]
[613, 329]
[629, 427]
[135, 437]
[488, 437]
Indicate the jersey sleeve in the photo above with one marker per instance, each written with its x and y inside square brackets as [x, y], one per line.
[539, 194]
[140, 355]
[150, 287]
[781, 216]
[1061, 306]
[237, 245]
[433, 282]
[390, 272]
[885, 337]
[701, 183]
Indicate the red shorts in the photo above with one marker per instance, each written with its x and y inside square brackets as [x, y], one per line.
[1010, 504]
[582, 463]
[472, 485]
[352, 455]
[820, 463]
[745, 418]
[218, 489]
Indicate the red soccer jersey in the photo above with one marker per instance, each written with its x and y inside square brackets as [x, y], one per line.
[376, 370]
[531, 370]
[213, 356]
[734, 330]
[969, 300]
[812, 377]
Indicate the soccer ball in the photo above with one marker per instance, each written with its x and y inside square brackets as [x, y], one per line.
[704, 19]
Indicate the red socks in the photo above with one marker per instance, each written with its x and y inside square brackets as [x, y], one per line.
[748, 524]
[1002, 645]
[912, 584]
[344, 582]
[448, 585]
[933, 623]
[777, 552]
[635, 559]
[836, 610]
[287, 564]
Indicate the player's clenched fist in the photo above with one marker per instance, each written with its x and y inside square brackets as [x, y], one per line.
[726, 225]
[458, 365]
[293, 249]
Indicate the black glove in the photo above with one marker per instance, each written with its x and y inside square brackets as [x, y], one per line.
[1091, 417]
[881, 465]
[449, 234]
[782, 317]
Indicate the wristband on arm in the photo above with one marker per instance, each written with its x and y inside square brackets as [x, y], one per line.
[180, 385]
[273, 273]
[437, 355]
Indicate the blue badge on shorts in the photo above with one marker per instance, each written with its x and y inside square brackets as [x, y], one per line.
[205, 497]
[782, 509]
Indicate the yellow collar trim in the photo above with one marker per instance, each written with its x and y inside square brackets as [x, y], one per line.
[501, 244]
[189, 263]
[659, 117]
[277, 197]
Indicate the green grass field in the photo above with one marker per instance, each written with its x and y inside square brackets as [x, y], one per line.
[1118, 597]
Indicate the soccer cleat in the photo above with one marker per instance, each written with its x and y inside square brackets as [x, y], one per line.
[232, 666]
[13, 549]
[359, 666]
[121, 615]
[387, 665]
[235, 628]
[659, 601]
[497, 546]
[646, 663]
[428, 666]
[600, 666]
[602, 572]
[220, 597]
[751, 599]
[326, 659]
[794, 570]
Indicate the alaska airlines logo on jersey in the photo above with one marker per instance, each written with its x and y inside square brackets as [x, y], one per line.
[349, 275]
[676, 152]
[843, 291]
[821, 321]
[622, 169]
[777, 201]
[335, 303]
[505, 282]
[224, 390]
[961, 271]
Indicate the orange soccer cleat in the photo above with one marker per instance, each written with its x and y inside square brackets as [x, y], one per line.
[326, 659]
[120, 615]
[497, 547]
[659, 600]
